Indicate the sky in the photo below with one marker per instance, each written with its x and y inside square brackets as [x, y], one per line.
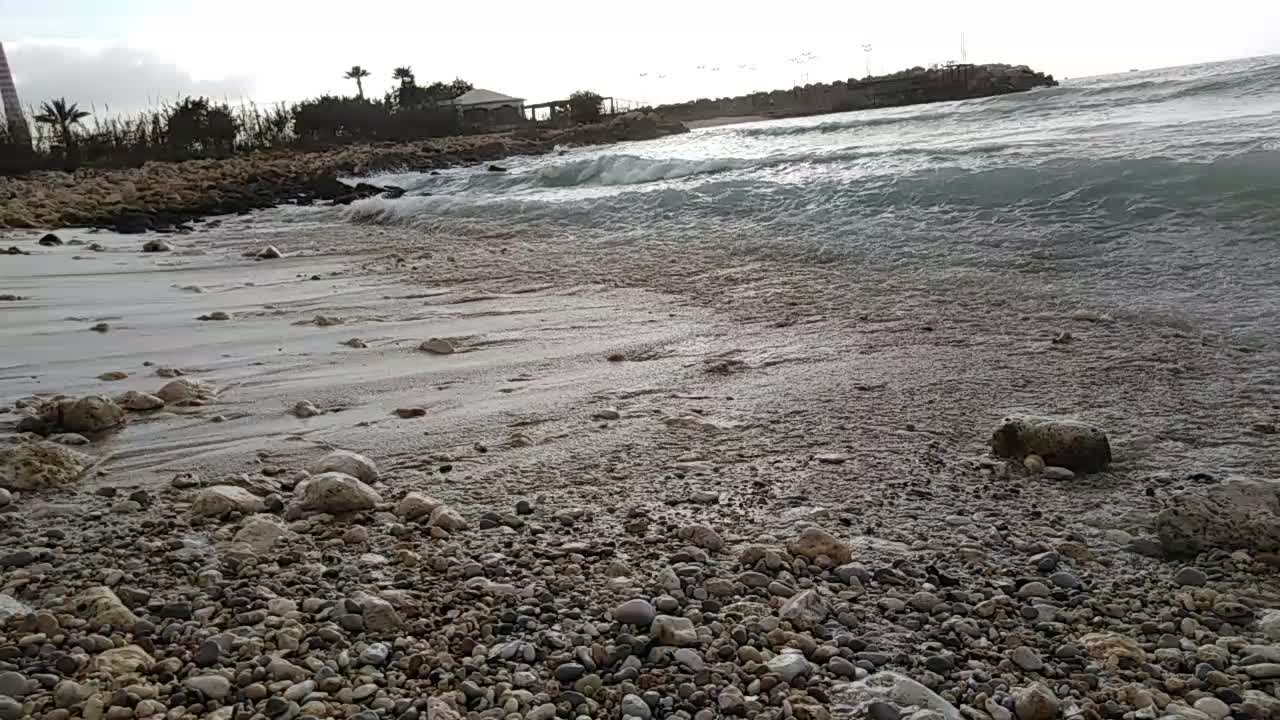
[134, 54]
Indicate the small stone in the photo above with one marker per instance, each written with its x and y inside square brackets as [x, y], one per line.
[270, 253]
[924, 601]
[805, 609]
[408, 413]
[356, 343]
[13, 684]
[305, 409]
[350, 463]
[376, 654]
[635, 612]
[208, 654]
[669, 630]
[156, 245]
[216, 687]
[635, 706]
[607, 414]
[1027, 659]
[221, 500]
[1066, 580]
[1035, 589]
[438, 346]
[1190, 577]
[789, 665]
[417, 505]
[1033, 463]
[114, 375]
[1057, 473]
[100, 327]
[814, 542]
[1213, 707]
[335, 492]
[67, 693]
[1035, 702]
[6, 498]
[215, 315]
[1263, 671]
[139, 401]
[568, 672]
[701, 536]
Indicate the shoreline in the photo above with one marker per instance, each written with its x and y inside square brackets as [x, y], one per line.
[167, 196]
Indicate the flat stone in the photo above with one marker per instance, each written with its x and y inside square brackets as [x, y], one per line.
[213, 686]
[1190, 577]
[1026, 658]
[13, 684]
[789, 665]
[336, 492]
[221, 500]
[669, 630]
[805, 609]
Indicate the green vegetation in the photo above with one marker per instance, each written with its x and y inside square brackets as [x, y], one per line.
[585, 106]
[68, 137]
[358, 74]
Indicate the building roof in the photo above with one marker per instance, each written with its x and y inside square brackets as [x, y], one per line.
[480, 96]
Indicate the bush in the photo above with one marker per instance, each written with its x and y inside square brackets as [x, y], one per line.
[584, 106]
[196, 127]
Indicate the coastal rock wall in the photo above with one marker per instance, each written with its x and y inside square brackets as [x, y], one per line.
[917, 85]
[159, 195]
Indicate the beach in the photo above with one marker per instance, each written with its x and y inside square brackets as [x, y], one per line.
[648, 430]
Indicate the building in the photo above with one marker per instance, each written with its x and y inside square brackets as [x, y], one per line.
[9, 98]
[489, 107]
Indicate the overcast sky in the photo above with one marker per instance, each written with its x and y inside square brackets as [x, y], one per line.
[129, 54]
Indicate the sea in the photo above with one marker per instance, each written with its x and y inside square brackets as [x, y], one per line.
[1154, 194]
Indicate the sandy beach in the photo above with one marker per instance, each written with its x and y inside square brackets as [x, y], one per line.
[745, 401]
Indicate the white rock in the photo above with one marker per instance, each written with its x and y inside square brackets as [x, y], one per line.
[416, 505]
[851, 700]
[335, 492]
[789, 665]
[123, 663]
[139, 401]
[447, 518]
[6, 498]
[805, 609]
[32, 466]
[222, 499]
[185, 391]
[1269, 624]
[305, 409]
[349, 463]
[261, 532]
[670, 630]
[12, 606]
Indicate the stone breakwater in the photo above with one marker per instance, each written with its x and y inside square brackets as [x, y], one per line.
[162, 195]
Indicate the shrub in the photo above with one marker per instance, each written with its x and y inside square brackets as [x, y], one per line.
[584, 106]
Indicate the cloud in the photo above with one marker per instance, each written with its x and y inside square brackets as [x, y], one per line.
[120, 78]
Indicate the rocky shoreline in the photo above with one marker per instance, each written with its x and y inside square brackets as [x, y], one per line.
[166, 197]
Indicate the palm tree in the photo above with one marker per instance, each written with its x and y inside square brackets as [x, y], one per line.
[404, 75]
[357, 73]
[61, 116]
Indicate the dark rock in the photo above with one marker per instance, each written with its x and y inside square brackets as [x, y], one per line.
[50, 240]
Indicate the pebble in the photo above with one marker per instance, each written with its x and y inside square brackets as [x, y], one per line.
[1026, 658]
[1057, 473]
[635, 612]
[1190, 577]
[13, 684]
[635, 706]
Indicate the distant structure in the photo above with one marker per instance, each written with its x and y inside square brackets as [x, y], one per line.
[9, 95]
[491, 107]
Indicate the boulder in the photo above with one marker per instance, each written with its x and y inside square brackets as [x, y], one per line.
[348, 463]
[335, 492]
[1235, 515]
[261, 532]
[185, 391]
[815, 542]
[91, 414]
[1062, 443]
[220, 500]
[852, 700]
[139, 401]
[805, 609]
[32, 466]
[100, 606]
[416, 505]
[50, 240]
